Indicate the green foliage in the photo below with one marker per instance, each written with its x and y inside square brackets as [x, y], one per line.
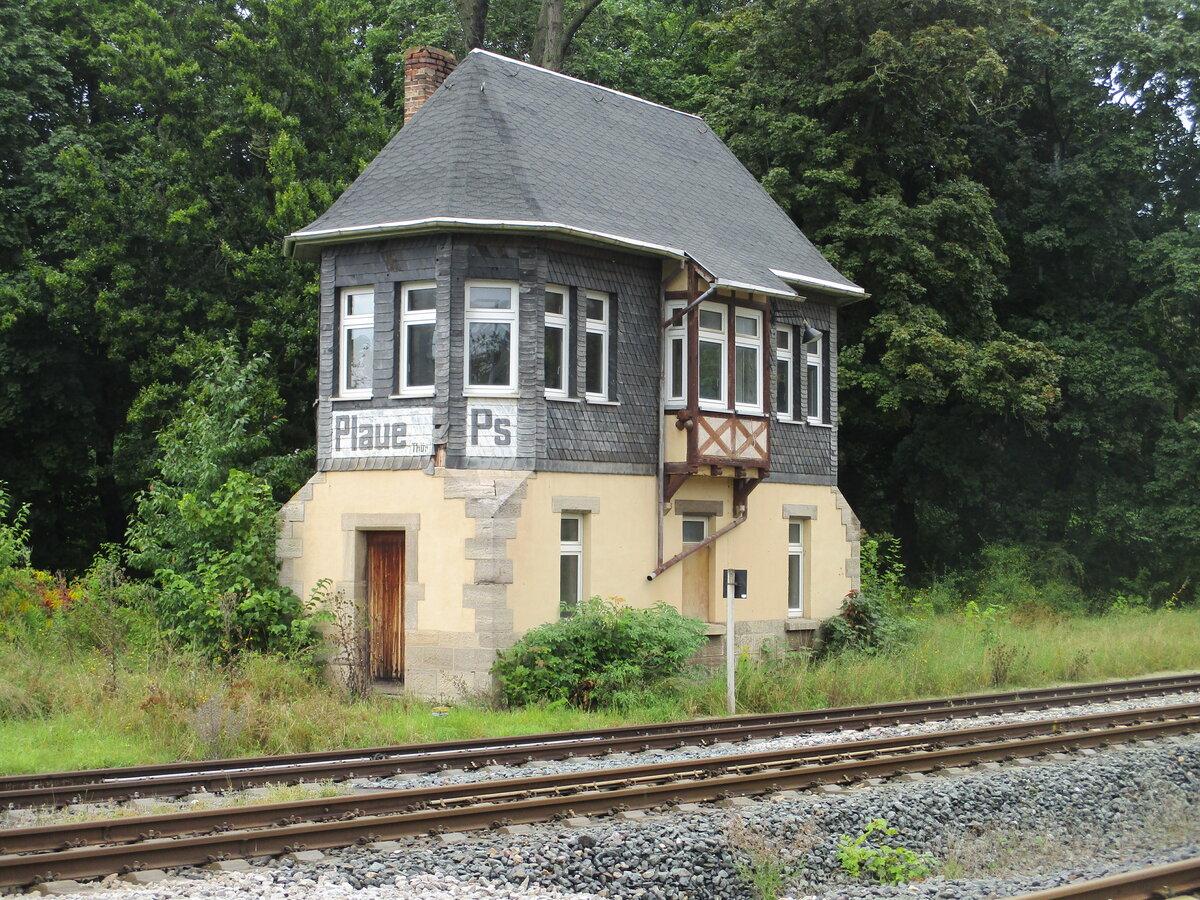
[865, 624]
[14, 536]
[870, 854]
[882, 566]
[207, 528]
[601, 655]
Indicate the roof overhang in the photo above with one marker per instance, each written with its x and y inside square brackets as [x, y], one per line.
[845, 293]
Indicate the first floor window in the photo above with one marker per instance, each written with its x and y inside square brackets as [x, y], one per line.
[418, 316]
[676, 359]
[711, 363]
[570, 564]
[747, 361]
[356, 316]
[596, 347]
[556, 350]
[795, 581]
[783, 372]
[814, 368]
[491, 326]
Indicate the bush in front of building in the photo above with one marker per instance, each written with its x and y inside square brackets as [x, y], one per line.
[865, 624]
[589, 659]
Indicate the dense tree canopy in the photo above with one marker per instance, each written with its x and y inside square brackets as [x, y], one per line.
[1016, 184]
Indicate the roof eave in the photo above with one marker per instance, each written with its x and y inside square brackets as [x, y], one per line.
[843, 294]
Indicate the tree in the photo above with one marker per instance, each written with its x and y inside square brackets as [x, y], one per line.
[552, 33]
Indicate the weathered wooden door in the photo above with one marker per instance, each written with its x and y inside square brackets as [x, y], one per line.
[697, 583]
[385, 600]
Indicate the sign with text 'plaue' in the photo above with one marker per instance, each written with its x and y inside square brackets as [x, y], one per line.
[492, 428]
[383, 432]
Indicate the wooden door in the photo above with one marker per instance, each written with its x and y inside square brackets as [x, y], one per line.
[697, 584]
[385, 601]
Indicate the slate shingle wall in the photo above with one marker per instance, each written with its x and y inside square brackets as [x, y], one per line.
[554, 435]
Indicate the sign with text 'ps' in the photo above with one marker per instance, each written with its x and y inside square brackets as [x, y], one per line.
[492, 428]
[383, 432]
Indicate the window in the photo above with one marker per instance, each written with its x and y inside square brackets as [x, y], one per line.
[418, 315]
[711, 363]
[796, 528]
[356, 347]
[813, 365]
[491, 325]
[695, 530]
[570, 564]
[676, 359]
[783, 372]
[556, 352]
[747, 361]
[596, 374]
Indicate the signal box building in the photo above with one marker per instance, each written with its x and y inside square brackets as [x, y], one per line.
[568, 347]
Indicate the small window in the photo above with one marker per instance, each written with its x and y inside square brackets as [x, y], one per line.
[676, 359]
[784, 378]
[356, 342]
[570, 564]
[814, 380]
[695, 530]
[747, 362]
[491, 326]
[711, 363]
[418, 317]
[556, 353]
[796, 538]
[597, 346]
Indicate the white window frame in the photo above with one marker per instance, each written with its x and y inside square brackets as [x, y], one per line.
[560, 321]
[674, 333]
[797, 550]
[814, 353]
[686, 520]
[575, 549]
[784, 357]
[754, 342]
[510, 317]
[346, 324]
[721, 337]
[408, 318]
[601, 327]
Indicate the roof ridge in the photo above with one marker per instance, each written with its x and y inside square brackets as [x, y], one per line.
[528, 65]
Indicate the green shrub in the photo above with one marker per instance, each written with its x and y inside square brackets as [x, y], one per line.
[870, 853]
[882, 566]
[590, 658]
[865, 624]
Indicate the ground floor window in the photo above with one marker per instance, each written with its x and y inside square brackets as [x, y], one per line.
[796, 534]
[570, 564]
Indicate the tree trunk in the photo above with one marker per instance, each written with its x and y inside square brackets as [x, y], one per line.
[473, 16]
[547, 36]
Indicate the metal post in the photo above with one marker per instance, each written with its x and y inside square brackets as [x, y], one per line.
[730, 661]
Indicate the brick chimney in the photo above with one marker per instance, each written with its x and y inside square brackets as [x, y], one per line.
[425, 68]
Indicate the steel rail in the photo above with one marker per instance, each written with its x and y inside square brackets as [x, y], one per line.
[498, 803]
[1163, 881]
[54, 837]
[176, 779]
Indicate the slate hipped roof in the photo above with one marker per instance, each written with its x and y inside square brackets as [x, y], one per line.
[509, 146]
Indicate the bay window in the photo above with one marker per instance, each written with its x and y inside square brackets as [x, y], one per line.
[491, 338]
[418, 316]
[783, 372]
[556, 354]
[356, 342]
[711, 362]
[814, 380]
[676, 358]
[747, 361]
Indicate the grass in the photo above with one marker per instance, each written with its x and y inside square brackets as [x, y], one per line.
[66, 710]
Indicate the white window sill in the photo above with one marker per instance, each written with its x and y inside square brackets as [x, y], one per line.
[558, 399]
[600, 401]
[412, 396]
[343, 398]
[473, 394]
[818, 424]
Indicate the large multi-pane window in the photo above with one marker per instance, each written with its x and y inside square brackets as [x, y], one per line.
[814, 352]
[491, 326]
[795, 581]
[598, 310]
[747, 361]
[418, 316]
[570, 563]
[784, 378]
[711, 362]
[356, 343]
[556, 352]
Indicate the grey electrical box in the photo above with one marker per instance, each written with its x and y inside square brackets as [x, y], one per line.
[736, 578]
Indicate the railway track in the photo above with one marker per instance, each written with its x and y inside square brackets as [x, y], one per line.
[1155, 883]
[181, 778]
[98, 848]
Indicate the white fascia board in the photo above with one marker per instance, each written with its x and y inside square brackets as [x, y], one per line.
[837, 287]
[756, 288]
[331, 235]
